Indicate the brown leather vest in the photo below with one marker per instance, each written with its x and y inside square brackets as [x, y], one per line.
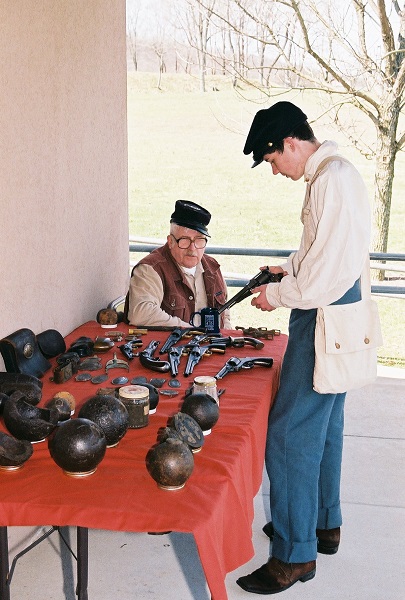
[178, 299]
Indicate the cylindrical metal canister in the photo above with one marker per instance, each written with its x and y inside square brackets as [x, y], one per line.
[136, 400]
[204, 384]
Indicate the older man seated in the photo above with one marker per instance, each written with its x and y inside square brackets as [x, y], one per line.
[177, 279]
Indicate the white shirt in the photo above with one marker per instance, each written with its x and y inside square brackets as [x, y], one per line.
[335, 240]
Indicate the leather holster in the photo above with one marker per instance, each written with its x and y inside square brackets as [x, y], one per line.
[21, 354]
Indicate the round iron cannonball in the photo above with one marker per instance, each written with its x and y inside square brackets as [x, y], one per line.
[170, 464]
[203, 408]
[110, 414]
[78, 446]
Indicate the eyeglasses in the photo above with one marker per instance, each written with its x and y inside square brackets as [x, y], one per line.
[185, 242]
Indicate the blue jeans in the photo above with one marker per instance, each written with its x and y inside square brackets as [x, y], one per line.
[304, 446]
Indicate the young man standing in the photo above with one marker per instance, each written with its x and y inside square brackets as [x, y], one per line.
[305, 431]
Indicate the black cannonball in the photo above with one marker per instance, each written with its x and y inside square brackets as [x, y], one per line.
[78, 446]
[203, 408]
[110, 414]
[170, 464]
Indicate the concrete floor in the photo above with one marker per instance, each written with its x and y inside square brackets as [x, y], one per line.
[370, 563]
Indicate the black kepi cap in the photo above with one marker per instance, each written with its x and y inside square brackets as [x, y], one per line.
[271, 125]
[191, 215]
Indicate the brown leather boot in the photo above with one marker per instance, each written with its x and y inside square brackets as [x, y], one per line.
[328, 539]
[276, 576]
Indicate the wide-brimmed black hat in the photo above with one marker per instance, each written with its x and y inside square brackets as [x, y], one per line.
[191, 215]
[271, 125]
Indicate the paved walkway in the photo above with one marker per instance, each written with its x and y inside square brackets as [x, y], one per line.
[370, 564]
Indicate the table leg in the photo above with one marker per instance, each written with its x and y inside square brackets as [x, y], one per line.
[4, 565]
[82, 562]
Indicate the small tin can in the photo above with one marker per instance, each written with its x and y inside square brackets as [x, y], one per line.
[204, 384]
[136, 400]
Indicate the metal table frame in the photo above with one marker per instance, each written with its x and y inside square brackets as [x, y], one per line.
[82, 559]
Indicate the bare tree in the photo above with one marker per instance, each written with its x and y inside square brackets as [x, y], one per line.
[159, 34]
[132, 34]
[194, 19]
[352, 53]
[158, 46]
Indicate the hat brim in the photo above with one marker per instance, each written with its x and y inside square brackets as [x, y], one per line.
[256, 163]
[199, 228]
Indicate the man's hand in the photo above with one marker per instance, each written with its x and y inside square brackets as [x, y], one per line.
[275, 269]
[260, 301]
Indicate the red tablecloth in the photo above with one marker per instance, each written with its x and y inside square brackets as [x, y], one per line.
[216, 504]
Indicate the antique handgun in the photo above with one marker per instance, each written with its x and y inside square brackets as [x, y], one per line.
[259, 332]
[174, 355]
[234, 364]
[176, 335]
[175, 352]
[197, 352]
[128, 348]
[237, 342]
[149, 361]
[264, 276]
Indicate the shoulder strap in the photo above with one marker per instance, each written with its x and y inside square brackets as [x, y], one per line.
[365, 276]
[325, 162]
[319, 170]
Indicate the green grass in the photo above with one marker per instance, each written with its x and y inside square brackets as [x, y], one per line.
[185, 144]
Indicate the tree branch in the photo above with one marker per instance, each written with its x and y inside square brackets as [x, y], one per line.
[387, 35]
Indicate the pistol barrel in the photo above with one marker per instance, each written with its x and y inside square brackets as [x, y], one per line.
[263, 277]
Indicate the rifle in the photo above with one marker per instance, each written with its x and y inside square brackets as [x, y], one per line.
[197, 352]
[234, 364]
[149, 361]
[264, 276]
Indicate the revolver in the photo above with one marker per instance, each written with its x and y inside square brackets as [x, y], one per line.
[238, 342]
[128, 348]
[174, 355]
[176, 352]
[149, 361]
[234, 364]
[197, 352]
[176, 335]
[259, 332]
[264, 276]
